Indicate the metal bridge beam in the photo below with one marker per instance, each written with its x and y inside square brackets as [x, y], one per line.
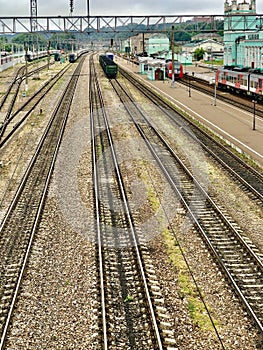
[133, 24]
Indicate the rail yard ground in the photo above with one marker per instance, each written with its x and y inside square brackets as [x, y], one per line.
[58, 306]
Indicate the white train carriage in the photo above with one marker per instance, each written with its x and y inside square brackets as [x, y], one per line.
[256, 85]
[232, 80]
[240, 81]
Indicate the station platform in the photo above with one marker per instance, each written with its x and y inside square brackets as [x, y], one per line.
[230, 123]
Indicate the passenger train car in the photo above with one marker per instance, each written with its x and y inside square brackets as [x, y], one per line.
[5, 57]
[73, 56]
[32, 56]
[240, 80]
[178, 70]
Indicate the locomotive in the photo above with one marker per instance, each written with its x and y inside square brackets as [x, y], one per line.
[109, 67]
[57, 56]
[178, 70]
[244, 81]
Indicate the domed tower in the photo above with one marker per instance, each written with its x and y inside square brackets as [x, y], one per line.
[240, 8]
[239, 21]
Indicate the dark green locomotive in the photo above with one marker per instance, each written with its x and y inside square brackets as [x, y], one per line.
[109, 66]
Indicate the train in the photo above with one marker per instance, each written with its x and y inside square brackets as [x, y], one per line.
[5, 57]
[73, 56]
[243, 81]
[109, 67]
[32, 56]
[178, 70]
[110, 55]
[57, 56]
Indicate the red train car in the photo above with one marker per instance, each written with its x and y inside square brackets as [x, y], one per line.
[5, 57]
[178, 70]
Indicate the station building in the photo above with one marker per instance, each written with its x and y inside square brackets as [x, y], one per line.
[243, 35]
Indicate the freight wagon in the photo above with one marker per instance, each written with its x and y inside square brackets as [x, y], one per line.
[109, 67]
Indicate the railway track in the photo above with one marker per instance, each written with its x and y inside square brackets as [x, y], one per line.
[240, 264]
[243, 173]
[15, 85]
[133, 313]
[21, 221]
[18, 117]
[243, 102]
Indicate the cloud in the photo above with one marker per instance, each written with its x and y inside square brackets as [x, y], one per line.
[14, 8]
[114, 7]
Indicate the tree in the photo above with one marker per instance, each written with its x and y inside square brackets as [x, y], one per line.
[4, 45]
[32, 40]
[63, 41]
[199, 53]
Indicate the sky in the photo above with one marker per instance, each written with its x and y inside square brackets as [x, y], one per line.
[17, 8]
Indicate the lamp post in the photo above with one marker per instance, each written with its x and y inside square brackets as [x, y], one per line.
[172, 56]
[26, 58]
[254, 114]
[215, 90]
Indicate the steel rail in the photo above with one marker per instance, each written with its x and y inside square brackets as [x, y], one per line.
[130, 221]
[70, 88]
[18, 79]
[15, 79]
[96, 196]
[166, 108]
[48, 87]
[192, 214]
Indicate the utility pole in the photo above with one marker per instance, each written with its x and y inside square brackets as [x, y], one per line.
[88, 14]
[172, 56]
[26, 58]
[215, 89]
[254, 114]
[34, 25]
[48, 55]
[71, 7]
[88, 9]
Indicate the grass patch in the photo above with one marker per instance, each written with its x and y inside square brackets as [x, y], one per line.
[187, 290]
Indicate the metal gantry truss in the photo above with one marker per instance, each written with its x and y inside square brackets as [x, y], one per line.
[33, 12]
[115, 24]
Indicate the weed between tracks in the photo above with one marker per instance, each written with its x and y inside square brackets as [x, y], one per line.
[187, 290]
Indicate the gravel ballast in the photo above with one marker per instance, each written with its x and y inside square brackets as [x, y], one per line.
[58, 306]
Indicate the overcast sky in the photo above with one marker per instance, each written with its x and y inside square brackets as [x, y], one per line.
[16, 8]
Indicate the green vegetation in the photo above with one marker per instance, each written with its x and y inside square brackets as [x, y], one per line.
[187, 290]
[199, 54]
[4, 44]
[128, 298]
